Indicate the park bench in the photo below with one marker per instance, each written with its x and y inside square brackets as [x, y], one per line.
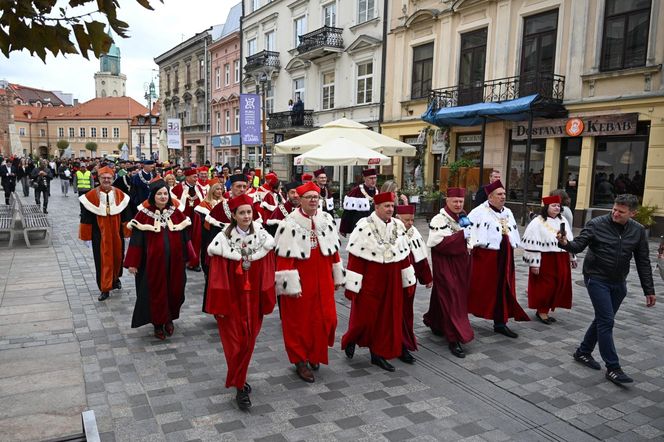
[7, 222]
[33, 222]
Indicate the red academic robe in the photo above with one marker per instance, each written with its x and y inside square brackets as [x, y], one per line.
[552, 288]
[424, 277]
[189, 203]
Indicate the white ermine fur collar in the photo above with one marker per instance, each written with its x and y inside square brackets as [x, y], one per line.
[540, 235]
[375, 240]
[257, 244]
[417, 245]
[486, 231]
[294, 240]
[160, 220]
[442, 226]
[115, 207]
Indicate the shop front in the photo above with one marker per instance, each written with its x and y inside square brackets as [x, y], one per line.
[226, 149]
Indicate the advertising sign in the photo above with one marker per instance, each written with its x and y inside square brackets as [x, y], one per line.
[250, 119]
[173, 133]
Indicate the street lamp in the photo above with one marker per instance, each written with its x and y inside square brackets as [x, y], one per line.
[261, 78]
[150, 94]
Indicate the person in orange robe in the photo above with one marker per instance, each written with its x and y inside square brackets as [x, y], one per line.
[104, 216]
[378, 278]
[189, 194]
[309, 270]
[240, 290]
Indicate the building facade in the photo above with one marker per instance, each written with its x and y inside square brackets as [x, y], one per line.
[110, 81]
[587, 73]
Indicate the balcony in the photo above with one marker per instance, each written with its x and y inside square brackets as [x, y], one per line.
[291, 120]
[264, 60]
[321, 42]
[551, 87]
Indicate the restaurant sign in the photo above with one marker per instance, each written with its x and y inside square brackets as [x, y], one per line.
[591, 126]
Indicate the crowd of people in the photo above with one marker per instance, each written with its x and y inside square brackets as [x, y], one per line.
[259, 241]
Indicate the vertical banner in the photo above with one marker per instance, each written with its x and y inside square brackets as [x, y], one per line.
[250, 119]
[173, 133]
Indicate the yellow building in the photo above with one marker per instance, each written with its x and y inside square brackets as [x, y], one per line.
[474, 62]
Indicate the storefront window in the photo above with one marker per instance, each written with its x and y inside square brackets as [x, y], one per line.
[568, 178]
[517, 176]
[410, 175]
[620, 164]
[468, 148]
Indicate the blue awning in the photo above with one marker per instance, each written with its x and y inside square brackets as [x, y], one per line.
[473, 114]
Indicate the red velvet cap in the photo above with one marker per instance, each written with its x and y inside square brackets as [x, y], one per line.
[307, 187]
[203, 169]
[456, 192]
[190, 172]
[385, 197]
[307, 177]
[551, 200]
[369, 172]
[240, 201]
[493, 186]
[168, 172]
[319, 171]
[408, 209]
[272, 179]
[105, 170]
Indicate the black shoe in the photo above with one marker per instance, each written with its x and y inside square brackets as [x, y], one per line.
[242, 399]
[45, 211]
[617, 376]
[194, 269]
[103, 297]
[504, 330]
[546, 321]
[436, 332]
[457, 350]
[247, 387]
[381, 362]
[350, 350]
[587, 360]
[407, 357]
[552, 319]
[117, 285]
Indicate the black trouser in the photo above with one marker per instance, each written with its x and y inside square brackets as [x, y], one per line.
[82, 192]
[8, 193]
[44, 192]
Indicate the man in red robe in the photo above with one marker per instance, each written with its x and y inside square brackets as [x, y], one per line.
[493, 237]
[419, 261]
[268, 196]
[189, 195]
[105, 213]
[378, 278]
[309, 270]
[450, 258]
[358, 203]
[284, 208]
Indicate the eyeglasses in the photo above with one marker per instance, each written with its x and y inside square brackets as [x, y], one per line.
[311, 197]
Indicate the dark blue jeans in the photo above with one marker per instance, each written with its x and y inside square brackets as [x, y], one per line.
[606, 298]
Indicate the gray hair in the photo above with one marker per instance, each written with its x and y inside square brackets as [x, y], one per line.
[627, 199]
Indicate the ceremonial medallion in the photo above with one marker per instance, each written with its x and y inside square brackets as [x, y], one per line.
[388, 254]
[246, 264]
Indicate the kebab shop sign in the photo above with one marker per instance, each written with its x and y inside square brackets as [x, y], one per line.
[592, 126]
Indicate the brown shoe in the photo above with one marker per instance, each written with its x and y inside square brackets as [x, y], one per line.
[304, 373]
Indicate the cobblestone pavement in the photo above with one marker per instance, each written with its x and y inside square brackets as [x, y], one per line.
[525, 389]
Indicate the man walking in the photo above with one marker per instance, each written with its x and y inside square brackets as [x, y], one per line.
[8, 176]
[359, 202]
[480, 195]
[41, 177]
[612, 240]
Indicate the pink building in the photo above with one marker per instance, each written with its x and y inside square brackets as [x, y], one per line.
[225, 77]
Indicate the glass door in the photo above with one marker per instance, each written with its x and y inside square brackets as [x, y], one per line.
[568, 172]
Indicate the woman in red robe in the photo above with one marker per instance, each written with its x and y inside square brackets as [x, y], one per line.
[240, 290]
[157, 256]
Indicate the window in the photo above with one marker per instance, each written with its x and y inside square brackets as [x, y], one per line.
[251, 47]
[422, 71]
[471, 67]
[217, 122]
[236, 111]
[61, 132]
[517, 176]
[366, 10]
[168, 81]
[299, 28]
[177, 80]
[330, 14]
[328, 90]
[71, 132]
[568, 171]
[269, 41]
[116, 132]
[21, 131]
[468, 147]
[81, 132]
[228, 121]
[217, 78]
[201, 69]
[104, 132]
[187, 74]
[227, 74]
[625, 37]
[538, 53]
[42, 132]
[364, 83]
[298, 88]
[269, 98]
[255, 4]
[236, 65]
[141, 139]
[93, 132]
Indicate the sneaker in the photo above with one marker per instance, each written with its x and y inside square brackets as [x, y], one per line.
[587, 360]
[617, 376]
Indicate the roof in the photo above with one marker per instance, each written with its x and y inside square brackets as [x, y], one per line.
[232, 21]
[32, 95]
[106, 108]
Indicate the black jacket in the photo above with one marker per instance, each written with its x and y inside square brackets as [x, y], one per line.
[610, 252]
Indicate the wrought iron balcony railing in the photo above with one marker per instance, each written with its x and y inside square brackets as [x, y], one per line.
[548, 86]
[291, 119]
[262, 59]
[325, 37]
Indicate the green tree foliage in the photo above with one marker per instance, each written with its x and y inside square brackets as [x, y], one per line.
[62, 145]
[91, 146]
[39, 26]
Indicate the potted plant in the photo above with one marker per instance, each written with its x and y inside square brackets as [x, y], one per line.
[645, 215]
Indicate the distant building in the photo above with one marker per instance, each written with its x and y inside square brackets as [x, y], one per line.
[110, 81]
[30, 96]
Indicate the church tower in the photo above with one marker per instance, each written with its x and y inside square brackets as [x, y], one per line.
[110, 81]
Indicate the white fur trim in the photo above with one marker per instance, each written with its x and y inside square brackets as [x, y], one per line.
[353, 203]
[363, 243]
[441, 226]
[156, 227]
[533, 259]
[267, 206]
[485, 231]
[116, 207]
[203, 211]
[293, 235]
[353, 281]
[288, 282]
[408, 277]
[417, 245]
[214, 221]
[221, 245]
[338, 273]
[540, 235]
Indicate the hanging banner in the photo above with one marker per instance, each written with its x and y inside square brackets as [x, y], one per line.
[250, 119]
[173, 133]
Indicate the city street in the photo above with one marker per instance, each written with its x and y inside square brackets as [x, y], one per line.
[63, 352]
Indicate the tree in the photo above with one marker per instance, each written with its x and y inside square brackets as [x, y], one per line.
[62, 145]
[39, 26]
[91, 146]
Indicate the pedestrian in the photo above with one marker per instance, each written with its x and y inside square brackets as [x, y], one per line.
[378, 278]
[241, 290]
[105, 215]
[23, 175]
[140, 183]
[449, 233]
[326, 202]
[284, 208]
[550, 275]
[64, 173]
[41, 181]
[419, 261]
[480, 195]
[611, 240]
[157, 255]
[268, 196]
[189, 195]
[358, 203]
[309, 270]
[392, 186]
[494, 236]
[8, 178]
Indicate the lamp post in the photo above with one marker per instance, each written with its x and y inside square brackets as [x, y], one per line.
[150, 94]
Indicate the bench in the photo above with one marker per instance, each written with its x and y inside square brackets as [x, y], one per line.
[7, 221]
[33, 221]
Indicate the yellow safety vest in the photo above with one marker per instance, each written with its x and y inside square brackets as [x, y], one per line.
[83, 180]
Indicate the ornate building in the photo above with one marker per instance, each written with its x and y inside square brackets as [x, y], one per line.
[110, 81]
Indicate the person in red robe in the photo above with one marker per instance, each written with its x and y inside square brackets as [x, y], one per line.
[240, 290]
[358, 203]
[494, 236]
[419, 261]
[157, 254]
[189, 194]
[269, 196]
[309, 270]
[105, 211]
[378, 278]
[550, 275]
[450, 258]
[284, 208]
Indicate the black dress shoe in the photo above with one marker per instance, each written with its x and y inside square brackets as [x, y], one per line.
[407, 357]
[552, 319]
[504, 330]
[381, 362]
[436, 332]
[104, 296]
[247, 387]
[194, 269]
[546, 321]
[117, 285]
[457, 350]
[242, 399]
[350, 350]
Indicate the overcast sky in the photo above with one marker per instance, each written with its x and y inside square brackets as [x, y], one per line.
[151, 33]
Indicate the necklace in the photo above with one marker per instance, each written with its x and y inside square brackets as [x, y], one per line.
[385, 243]
[241, 246]
[548, 227]
[283, 210]
[161, 217]
[501, 221]
[146, 182]
[366, 195]
[227, 210]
